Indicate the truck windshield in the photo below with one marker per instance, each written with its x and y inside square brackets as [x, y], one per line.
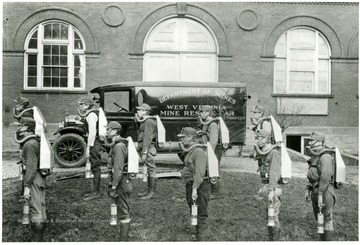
[117, 101]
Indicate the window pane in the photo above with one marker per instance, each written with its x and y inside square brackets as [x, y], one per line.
[47, 82]
[55, 49]
[33, 41]
[63, 82]
[120, 97]
[197, 40]
[46, 60]
[77, 41]
[32, 59]
[302, 38]
[64, 31]
[47, 31]
[55, 60]
[31, 81]
[63, 50]
[55, 82]
[31, 71]
[55, 31]
[77, 60]
[63, 72]
[77, 82]
[47, 71]
[55, 72]
[323, 48]
[280, 75]
[302, 60]
[323, 76]
[280, 48]
[301, 82]
[63, 60]
[47, 49]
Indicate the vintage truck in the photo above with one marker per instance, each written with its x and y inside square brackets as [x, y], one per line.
[177, 105]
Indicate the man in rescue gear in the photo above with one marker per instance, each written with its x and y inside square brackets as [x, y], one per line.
[257, 119]
[321, 183]
[210, 133]
[34, 181]
[20, 110]
[147, 134]
[197, 183]
[120, 187]
[259, 123]
[270, 172]
[93, 145]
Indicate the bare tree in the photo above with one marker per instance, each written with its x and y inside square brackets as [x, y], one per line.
[288, 115]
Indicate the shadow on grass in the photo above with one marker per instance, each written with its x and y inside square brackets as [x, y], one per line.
[236, 216]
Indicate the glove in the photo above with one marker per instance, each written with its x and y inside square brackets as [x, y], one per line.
[262, 192]
[271, 196]
[307, 196]
[112, 193]
[87, 151]
[320, 201]
[26, 192]
[194, 194]
[143, 157]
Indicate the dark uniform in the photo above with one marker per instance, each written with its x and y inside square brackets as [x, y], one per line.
[34, 180]
[270, 173]
[321, 178]
[120, 180]
[21, 110]
[211, 134]
[147, 135]
[195, 175]
[91, 122]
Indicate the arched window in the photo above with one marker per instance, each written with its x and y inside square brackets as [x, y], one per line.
[54, 58]
[302, 63]
[180, 49]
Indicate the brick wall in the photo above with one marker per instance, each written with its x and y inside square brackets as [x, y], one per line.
[112, 61]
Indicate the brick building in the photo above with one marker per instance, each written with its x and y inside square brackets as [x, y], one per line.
[291, 55]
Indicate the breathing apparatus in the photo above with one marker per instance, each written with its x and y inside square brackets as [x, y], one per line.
[18, 115]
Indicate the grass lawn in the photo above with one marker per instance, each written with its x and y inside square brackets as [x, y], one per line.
[235, 217]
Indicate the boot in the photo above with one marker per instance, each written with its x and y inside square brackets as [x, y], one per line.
[322, 237]
[96, 187]
[203, 231]
[328, 235]
[151, 194]
[271, 234]
[142, 194]
[124, 231]
[276, 234]
[38, 230]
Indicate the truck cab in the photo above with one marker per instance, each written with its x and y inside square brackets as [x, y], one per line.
[177, 104]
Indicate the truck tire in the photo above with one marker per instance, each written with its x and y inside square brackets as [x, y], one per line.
[69, 151]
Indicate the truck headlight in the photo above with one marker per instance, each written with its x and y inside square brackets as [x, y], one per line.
[61, 125]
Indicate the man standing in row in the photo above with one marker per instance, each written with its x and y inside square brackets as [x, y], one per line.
[210, 131]
[270, 172]
[146, 145]
[121, 187]
[195, 175]
[34, 181]
[321, 187]
[22, 109]
[93, 146]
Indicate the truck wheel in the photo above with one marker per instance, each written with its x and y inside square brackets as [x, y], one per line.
[69, 151]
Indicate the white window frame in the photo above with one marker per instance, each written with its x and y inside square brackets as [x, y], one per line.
[39, 52]
[317, 57]
[180, 50]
